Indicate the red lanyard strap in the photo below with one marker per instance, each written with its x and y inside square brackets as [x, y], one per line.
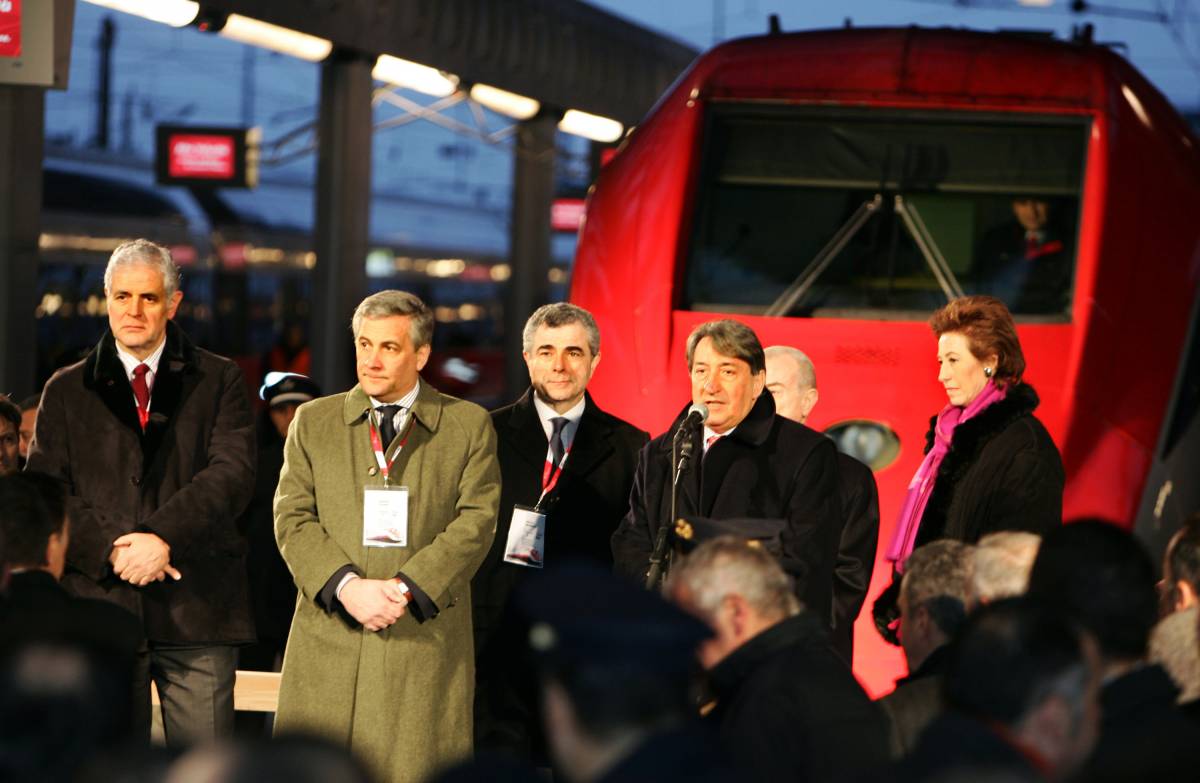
[385, 466]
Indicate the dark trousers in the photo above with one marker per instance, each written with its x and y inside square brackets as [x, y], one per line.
[195, 686]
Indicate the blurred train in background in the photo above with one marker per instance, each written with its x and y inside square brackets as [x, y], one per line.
[246, 279]
[832, 188]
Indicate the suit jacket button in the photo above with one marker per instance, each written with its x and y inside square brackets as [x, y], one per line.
[371, 471]
[134, 480]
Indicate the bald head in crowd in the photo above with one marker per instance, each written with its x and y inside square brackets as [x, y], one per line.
[1001, 565]
[792, 381]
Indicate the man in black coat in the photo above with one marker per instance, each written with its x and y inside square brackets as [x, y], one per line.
[747, 463]
[561, 453]
[933, 606]
[1102, 578]
[792, 381]
[153, 441]
[787, 706]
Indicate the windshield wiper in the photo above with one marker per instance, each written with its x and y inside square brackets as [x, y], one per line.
[928, 247]
[821, 261]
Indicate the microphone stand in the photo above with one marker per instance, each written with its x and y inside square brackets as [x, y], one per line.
[681, 454]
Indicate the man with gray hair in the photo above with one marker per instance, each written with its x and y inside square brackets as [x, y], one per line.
[933, 606]
[153, 441]
[787, 707]
[566, 468]
[746, 463]
[1001, 563]
[385, 508]
[792, 381]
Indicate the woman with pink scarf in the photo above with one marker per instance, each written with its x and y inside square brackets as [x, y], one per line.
[989, 463]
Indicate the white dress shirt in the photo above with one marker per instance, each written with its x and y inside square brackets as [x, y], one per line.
[130, 362]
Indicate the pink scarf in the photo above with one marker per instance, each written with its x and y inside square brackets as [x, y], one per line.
[921, 486]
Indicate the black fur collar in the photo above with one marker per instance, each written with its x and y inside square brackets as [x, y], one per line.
[970, 437]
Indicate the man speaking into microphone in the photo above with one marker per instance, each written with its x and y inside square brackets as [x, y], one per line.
[746, 463]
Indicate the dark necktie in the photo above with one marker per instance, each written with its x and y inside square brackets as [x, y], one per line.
[556, 441]
[387, 424]
[141, 391]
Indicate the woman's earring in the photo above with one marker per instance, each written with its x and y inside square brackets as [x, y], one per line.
[987, 371]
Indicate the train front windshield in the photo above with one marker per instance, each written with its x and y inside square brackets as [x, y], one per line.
[811, 213]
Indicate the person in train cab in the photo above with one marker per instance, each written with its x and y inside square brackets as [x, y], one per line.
[792, 381]
[785, 704]
[989, 463]
[153, 440]
[566, 468]
[272, 591]
[10, 436]
[385, 508]
[1027, 261]
[746, 462]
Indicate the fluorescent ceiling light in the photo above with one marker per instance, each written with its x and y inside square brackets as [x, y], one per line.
[590, 126]
[245, 30]
[414, 76]
[504, 102]
[177, 13]
[1036, 3]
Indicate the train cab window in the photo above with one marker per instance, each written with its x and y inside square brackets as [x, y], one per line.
[819, 214]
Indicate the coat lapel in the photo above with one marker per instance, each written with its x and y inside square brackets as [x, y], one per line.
[751, 433]
[106, 376]
[526, 434]
[591, 444]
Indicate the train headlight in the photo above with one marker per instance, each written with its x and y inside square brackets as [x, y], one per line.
[871, 442]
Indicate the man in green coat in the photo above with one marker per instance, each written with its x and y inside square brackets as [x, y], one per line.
[386, 506]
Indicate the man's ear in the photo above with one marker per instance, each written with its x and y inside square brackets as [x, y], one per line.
[808, 401]
[1185, 595]
[760, 383]
[423, 356]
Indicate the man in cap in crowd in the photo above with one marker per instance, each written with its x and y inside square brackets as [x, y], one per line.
[386, 506]
[272, 591]
[614, 664]
[1020, 687]
[153, 440]
[792, 381]
[787, 706]
[566, 468]
[746, 462]
[933, 596]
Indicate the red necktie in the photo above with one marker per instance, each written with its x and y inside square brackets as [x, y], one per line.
[711, 440]
[142, 392]
[1032, 246]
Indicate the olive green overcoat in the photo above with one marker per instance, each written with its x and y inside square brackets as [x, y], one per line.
[400, 698]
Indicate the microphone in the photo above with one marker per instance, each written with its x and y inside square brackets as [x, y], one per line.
[698, 413]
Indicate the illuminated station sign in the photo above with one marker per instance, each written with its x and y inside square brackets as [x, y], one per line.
[205, 156]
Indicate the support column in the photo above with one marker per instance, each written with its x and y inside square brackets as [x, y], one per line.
[529, 256]
[343, 206]
[22, 123]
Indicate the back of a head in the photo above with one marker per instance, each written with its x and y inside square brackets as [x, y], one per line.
[1102, 578]
[1009, 656]
[1001, 564]
[291, 758]
[728, 565]
[31, 510]
[936, 576]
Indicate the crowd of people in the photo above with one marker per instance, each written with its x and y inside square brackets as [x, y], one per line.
[547, 590]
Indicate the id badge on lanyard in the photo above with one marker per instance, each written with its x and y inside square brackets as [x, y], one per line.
[526, 544]
[385, 509]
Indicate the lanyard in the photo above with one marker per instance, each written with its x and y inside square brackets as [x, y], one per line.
[551, 473]
[385, 467]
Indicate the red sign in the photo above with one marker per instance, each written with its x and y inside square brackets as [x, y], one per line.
[10, 28]
[566, 214]
[204, 157]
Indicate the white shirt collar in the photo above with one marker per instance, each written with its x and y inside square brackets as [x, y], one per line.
[546, 413]
[709, 433]
[406, 402]
[129, 361]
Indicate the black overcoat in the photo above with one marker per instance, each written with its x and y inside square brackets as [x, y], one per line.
[1002, 472]
[186, 479]
[769, 467]
[585, 507]
[788, 707]
[856, 550]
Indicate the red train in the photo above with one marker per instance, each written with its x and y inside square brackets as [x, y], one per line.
[833, 188]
